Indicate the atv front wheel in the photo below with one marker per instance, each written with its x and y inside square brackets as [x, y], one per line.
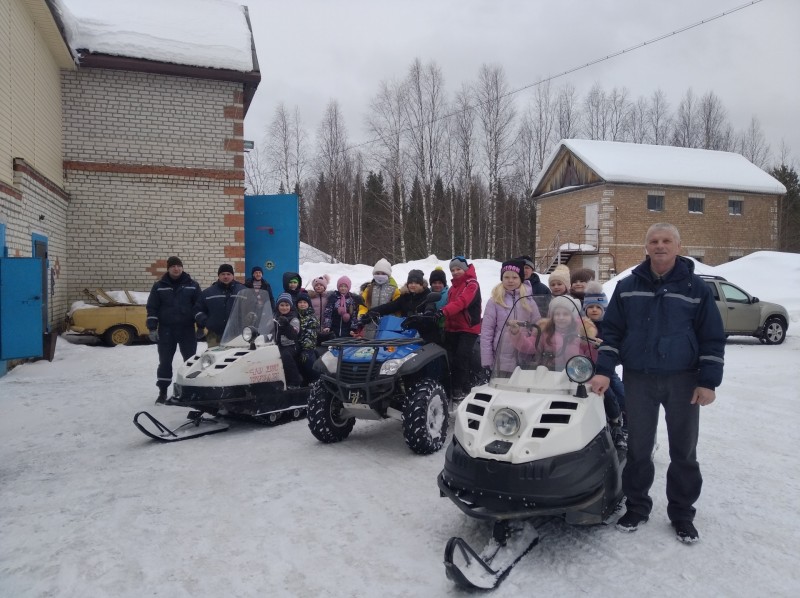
[325, 416]
[425, 417]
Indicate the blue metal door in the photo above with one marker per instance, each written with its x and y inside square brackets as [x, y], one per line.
[272, 236]
[21, 295]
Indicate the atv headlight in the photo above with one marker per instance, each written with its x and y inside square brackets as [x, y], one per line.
[389, 368]
[329, 360]
[249, 334]
[506, 422]
[207, 360]
[579, 369]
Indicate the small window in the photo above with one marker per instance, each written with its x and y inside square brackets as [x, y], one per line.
[655, 201]
[735, 206]
[696, 205]
[713, 288]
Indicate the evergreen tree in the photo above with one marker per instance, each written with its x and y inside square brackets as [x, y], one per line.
[789, 210]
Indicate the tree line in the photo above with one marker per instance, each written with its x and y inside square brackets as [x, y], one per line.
[451, 174]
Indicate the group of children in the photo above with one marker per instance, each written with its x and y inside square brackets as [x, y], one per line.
[569, 318]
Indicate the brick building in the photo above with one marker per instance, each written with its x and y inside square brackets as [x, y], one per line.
[121, 156]
[596, 199]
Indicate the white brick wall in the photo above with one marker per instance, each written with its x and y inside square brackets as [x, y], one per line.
[141, 118]
[123, 223]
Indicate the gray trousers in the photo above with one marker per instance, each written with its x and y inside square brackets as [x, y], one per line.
[644, 395]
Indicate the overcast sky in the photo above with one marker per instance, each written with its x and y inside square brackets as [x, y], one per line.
[311, 51]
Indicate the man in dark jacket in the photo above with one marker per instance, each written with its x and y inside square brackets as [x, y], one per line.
[171, 315]
[412, 301]
[663, 326]
[216, 303]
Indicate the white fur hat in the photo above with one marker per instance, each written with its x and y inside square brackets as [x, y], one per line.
[560, 273]
[383, 265]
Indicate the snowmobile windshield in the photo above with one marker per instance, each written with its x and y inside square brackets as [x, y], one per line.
[252, 308]
[540, 331]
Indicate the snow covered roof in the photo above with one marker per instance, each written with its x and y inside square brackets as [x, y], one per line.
[637, 163]
[202, 33]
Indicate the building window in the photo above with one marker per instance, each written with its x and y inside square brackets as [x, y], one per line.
[735, 205]
[696, 204]
[655, 201]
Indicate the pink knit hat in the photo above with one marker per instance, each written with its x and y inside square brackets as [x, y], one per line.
[344, 280]
[323, 280]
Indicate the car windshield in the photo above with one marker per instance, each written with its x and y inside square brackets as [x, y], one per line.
[252, 308]
[541, 331]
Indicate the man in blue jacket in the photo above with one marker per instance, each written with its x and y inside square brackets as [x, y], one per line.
[663, 326]
[216, 303]
[171, 314]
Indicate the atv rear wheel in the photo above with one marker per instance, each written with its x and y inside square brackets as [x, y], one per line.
[425, 417]
[325, 416]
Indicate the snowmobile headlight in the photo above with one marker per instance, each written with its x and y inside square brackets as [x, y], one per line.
[249, 334]
[207, 360]
[580, 369]
[506, 422]
[390, 367]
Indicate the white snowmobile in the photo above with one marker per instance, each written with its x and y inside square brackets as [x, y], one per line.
[530, 444]
[242, 377]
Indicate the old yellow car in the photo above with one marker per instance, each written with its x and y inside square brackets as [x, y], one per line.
[116, 317]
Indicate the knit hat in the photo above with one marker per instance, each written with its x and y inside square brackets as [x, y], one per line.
[303, 296]
[224, 268]
[459, 262]
[294, 279]
[284, 298]
[382, 265]
[174, 261]
[256, 269]
[516, 266]
[572, 304]
[344, 280]
[323, 280]
[527, 261]
[560, 273]
[417, 276]
[595, 296]
[582, 274]
[438, 275]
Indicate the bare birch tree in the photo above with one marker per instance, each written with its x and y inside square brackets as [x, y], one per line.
[568, 114]
[618, 108]
[496, 113]
[257, 178]
[595, 113]
[332, 155]
[686, 127]
[463, 132]
[638, 132]
[280, 146]
[713, 117]
[387, 120]
[753, 145]
[659, 120]
[426, 128]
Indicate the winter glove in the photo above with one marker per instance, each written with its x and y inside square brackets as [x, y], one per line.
[153, 336]
[439, 314]
[200, 334]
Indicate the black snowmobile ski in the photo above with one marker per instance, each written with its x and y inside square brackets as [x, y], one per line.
[196, 426]
[470, 570]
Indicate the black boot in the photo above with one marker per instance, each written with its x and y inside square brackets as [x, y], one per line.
[162, 396]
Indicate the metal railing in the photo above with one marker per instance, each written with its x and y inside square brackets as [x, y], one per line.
[565, 244]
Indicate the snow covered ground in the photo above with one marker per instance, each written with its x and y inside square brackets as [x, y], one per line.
[90, 507]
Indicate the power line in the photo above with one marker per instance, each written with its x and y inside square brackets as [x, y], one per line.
[571, 70]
